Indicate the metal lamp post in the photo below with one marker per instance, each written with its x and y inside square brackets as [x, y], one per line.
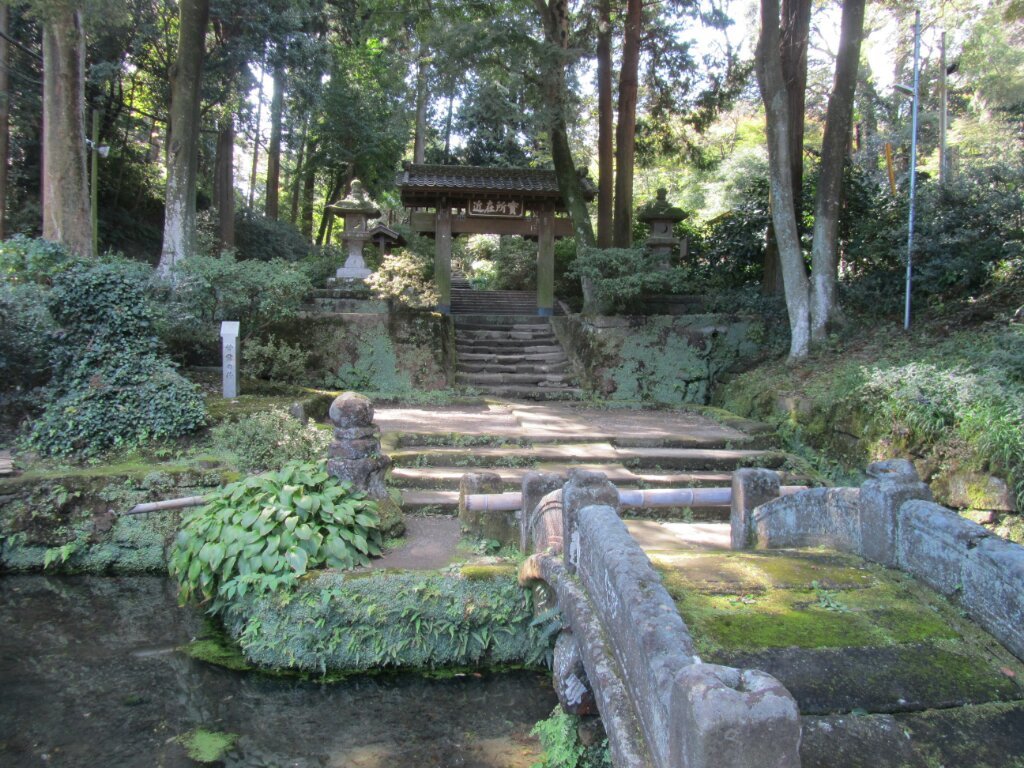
[915, 93]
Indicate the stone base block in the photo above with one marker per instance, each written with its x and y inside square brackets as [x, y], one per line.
[352, 273]
[501, 526]
[731, 718]
[367, 473]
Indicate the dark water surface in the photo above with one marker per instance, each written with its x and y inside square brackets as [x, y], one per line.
[89, 677]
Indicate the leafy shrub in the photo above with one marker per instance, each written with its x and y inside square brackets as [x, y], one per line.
[261, 239]
[270, 438]
[502, 263]
[111, 387]
[33, 260]
[210, 289]
[25, 336]
[620, 275]
[407, 275]
[262, 533]
[274, 360]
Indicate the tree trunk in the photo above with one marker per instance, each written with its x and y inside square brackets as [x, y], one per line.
[625, 130]
[224, 183]
[554, 15]
[66, 215]
[605, 128]
[448, 129]
[274, 148]
[834, 149]
[419, 150]
[183, 151]
[256, 143]
[308, 191]
[5, 111]
[773, 94]
[296, 185]
[796, 27]
[796, 23]
[332, 194]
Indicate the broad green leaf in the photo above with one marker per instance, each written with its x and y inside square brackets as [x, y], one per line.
[297, 559]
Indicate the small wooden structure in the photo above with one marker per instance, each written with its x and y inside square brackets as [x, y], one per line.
[385, 238]
[468, 200]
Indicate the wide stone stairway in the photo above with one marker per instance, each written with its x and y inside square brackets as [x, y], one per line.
[433, 447]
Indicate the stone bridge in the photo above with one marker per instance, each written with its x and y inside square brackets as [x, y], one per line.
[817, 630]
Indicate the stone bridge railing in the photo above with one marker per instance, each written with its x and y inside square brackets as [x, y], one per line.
[627, 650]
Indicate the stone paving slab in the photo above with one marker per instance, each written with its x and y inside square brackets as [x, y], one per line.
[430, 543]
[6, 463]
[545, 422]
[840, 633]
[983, 736]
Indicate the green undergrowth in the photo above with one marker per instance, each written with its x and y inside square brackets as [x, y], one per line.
[559, 736]
[373, 620]
[949, 397]
[205, 746]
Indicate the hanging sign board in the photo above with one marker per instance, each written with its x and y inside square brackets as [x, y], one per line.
[507, 208]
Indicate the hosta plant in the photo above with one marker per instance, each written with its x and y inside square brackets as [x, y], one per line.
[262, 533]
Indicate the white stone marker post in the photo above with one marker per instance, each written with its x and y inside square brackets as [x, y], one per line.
[229, 353]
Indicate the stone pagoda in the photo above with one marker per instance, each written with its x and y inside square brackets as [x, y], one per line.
[661, 215]
[356, 209]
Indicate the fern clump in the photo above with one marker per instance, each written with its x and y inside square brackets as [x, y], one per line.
[262, 533]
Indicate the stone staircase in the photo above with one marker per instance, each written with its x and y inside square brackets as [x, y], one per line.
[433, 447]
[512, 356]
[465, 300]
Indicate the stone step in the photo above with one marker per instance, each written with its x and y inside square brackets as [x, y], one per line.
[362, 292]
[488, 319]
[504, 379]
[477, 358]
[502, 334]
[512, 477]
[507, 346]
[470, 367]
[523, 392]
[513, 322]
[681, 459]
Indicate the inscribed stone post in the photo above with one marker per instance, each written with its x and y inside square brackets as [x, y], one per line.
[229, 352]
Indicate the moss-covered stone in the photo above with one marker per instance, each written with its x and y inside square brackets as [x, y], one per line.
[839, 632]
[342, 623]
[659, 359]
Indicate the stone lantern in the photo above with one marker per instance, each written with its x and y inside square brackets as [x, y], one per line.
[662, 216]
[356, 210]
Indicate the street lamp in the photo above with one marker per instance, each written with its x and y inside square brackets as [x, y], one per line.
[98, 151]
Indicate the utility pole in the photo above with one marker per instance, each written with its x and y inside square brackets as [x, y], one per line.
[914, 92]
[94, 182]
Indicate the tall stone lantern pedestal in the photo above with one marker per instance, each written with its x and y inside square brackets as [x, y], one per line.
[662, 216]
[356, 210]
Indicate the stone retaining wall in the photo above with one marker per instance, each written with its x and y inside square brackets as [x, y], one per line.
[892, 520]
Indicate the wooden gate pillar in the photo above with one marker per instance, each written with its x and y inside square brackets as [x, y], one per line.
[546, 263]
[443, 256]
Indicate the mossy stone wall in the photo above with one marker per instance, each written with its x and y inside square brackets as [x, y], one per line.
[354, 622]
[395, 353]
[661, 359]
[75, 518]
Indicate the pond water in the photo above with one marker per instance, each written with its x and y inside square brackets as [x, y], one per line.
[89, 677]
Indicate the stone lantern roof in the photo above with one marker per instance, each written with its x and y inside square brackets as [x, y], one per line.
[661, 209]
[357, 203]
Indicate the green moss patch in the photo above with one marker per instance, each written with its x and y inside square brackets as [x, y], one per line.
[839, 632]
[804, 599]
[205, 746]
